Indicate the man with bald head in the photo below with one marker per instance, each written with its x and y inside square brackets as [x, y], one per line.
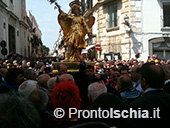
[126, 90]
[64, 77]
[42, 82]
[62, 69]
[154, 100]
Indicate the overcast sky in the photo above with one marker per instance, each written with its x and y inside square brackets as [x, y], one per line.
[46, 18]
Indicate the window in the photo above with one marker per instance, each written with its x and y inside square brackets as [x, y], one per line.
[11, 1]
[17, 33]
[166, 14]
[89, 4]
[112, 15]
[83, 6]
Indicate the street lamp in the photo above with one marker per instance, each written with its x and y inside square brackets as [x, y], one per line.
[128, 30]
[126, 19]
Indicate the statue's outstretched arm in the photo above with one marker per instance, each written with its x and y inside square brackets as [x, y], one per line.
[58, 6]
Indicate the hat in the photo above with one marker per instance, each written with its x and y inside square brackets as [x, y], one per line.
[75, 2]
[156, 61]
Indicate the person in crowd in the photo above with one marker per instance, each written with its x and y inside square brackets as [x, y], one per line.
[107, 74]
[40, 68]
[39, 99]
[101, 69]
[30, 74]
[166, 85]
[119, 66]
[152, 81]
[135, 62]
[13, 79]
[54, 81]
[17, 112]
[41, 103]
[3, 72]
[115, 76]
[124, 71]
[105, 101]
[1, 79]
[126, 90]
[84, 78]
[106, 59]
[149, 59]
[48, 71]
[15, 63]
[112, 70]
[112, 85]
[155, 59]
[111, 81]
[65, 77]
[62, 69]
[26, 88]
[135, 75]
[95, 89]
[66, 95]
[50, 85]
[28, 63]
[42, 81]
[97, 67]
[33, 65]
[24, 66]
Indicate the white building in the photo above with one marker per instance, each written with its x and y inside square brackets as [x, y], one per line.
[34, 36]
[131, 27]
[153, 34]
[58, 48]
[13, 27]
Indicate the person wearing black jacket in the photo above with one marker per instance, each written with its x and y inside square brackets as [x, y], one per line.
[154, 100]
[84, 78]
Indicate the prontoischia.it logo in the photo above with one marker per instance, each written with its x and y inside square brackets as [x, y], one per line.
[112, 113]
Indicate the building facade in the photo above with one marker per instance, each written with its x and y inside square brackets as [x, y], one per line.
[34, 36]
[130, 27]
[58, 48]
[14, 28]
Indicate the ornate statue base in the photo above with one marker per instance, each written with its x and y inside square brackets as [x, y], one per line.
[71, 66]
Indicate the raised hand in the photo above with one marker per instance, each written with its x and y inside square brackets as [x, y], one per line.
[81, 57]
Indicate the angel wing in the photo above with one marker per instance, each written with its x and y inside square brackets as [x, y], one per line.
[91, 21]
[65, 22]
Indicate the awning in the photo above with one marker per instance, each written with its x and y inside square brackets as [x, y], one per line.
[89, 47]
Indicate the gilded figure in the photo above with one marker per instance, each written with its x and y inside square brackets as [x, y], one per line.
[75, 28]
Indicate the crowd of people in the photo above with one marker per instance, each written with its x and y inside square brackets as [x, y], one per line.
[30, 92]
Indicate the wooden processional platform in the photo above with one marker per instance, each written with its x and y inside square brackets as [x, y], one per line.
[71, 66]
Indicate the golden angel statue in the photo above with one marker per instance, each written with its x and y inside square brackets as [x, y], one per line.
[74, 27]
